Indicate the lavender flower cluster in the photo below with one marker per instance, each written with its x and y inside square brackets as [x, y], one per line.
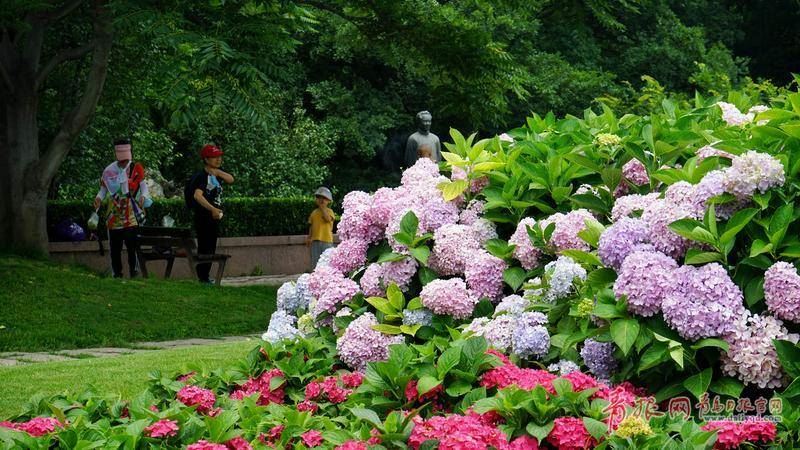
[599, 358]
[361, 344]
[782, 291]
[484, 275]
[449, 297]
[525, 252]
[378, 276]
[645, 277]
[567, 226]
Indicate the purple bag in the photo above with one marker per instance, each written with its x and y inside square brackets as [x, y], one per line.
[68, 230]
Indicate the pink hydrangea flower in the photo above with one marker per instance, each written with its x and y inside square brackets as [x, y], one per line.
[162, 428]
[355, 445]
[205, 445]
[627, 205]
[709, 151]
[753, 171]
[449, 297]
[349, 255]
[525, 252]
[360, 219]
[453, 245]
[331, 288]
[194, 395]
[658, 216]
[39, 426]
[484, 275]
[261, 386]
[645, 277]
[567, 226]
[311, 438]
[524, 442]
[782, 291]
[353, 380]
[307, 405]
[569, 433]
[468, 432]
[731, 435]
[238, 443]
[361, 344]
[635, 172]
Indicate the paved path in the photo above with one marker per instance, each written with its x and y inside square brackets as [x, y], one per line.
[17, 358]
[266, 280]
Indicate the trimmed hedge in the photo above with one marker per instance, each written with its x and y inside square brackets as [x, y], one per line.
[244, 216]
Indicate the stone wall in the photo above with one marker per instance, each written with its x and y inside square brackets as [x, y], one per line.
[258, 255]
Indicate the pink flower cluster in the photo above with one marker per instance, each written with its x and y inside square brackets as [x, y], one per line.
[38, 426]
[751, 172]
[361, 344]
[453, 245]
[626, 206]
[194, 395]
[525, 252]
[731, 435]
[261, 386]
[658, 215]
[782, 291]
[162, 428]
[448, 297]
[205, 445]
[484, 275]
[509, 374]
[238, 443]
[352, 445]
[378, 276]
[569, 433]
[709, 151]
[311, 438]
[349, 255]
[635, 172]
[456, 432]
[567, 226]
[330, 288]
[645, 277]
[330, 390]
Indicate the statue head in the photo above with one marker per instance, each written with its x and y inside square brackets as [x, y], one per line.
[424, 121]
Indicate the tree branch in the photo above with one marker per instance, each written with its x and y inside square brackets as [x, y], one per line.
[66, 55]
[60, 13]
[77, 119]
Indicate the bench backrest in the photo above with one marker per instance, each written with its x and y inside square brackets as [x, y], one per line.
[166, 237]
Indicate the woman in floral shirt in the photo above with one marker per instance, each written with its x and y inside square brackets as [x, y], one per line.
[123, 190]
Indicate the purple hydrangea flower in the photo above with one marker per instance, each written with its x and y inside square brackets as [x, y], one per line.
[626, 206]
[618, 240]
[436, 213]
[472, 212]
[357, 221]
[513, 304]
[565, 235]
[782, 291]
[658, 216]
[635, 172]
[484, 275]
[286, 297]
[484, 230]
[378, 276]
[449, 297]
[751, 356]
[599, 358]
[330, 288]
[302, 292]
[530, 341]
[703, 303]
[361, 344]
[349, 255]
[709, 151]
[732, 116]
[525, 252]
[561, 276]
[645, 277]
[371, 281]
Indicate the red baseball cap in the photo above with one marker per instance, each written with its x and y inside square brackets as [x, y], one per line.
[210, 151]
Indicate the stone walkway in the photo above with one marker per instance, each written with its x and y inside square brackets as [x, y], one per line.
[18, 358]
[265, 280]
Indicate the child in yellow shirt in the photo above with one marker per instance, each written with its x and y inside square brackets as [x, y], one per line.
[320, 231]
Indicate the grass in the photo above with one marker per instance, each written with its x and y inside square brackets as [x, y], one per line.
[125, 376]
[46, 306]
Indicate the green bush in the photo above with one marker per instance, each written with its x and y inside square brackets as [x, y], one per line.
[244, 216]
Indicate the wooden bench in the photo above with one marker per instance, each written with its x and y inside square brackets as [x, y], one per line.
[166, 244]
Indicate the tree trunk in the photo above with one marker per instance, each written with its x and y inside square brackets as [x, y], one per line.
[25, 170]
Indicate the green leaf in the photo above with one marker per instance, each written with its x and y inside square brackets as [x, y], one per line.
[591, 234]
[540, 432]
[395, 296]
[448, 359]
[698, 384]
[780, 223]
[368, 415]
[426, 383]
[789, 355]
[596, 428]
[421, 253]
[452, 189]
[582, 257]
[499, 248]
[426, 275]
[737, 223]
[710, 342]
[793, 390]
[685, 227]
[758, 247]
[624, 332]
[458, 388]
[514, 277]
[754, 291]
[391, 256]
[601, 278]
[430, 444]
[410, 330]
[387, 329]
[611, 177]
[382, 305]
[669, 391]
[727, 386]
[606, 311]
[697, 256]
[414, 303]
[676, 354]
[409, 224]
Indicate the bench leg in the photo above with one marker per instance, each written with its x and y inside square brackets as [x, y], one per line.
[142, 264]
[168, 271]
[220, 271]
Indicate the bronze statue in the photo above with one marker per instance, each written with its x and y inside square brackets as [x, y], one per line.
[423, 140]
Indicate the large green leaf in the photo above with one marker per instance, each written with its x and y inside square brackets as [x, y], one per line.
[698, 384]
[624, 332]
[514, 277]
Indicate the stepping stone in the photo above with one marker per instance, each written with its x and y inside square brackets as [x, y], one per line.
[8, 362]
[39, 357]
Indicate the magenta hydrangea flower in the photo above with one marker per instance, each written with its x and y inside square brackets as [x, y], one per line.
[782, 291]
[645, 277]
[618, 240]
[194, 395]
[361, 344]
[205, 445]
[565, 234]
[704, 302]
[628, 205]
[349, 255]
[751, 356]
[525, 252]
[658, 216]
[635, 172]
[484, 275]
[751, 172]
[161, 429]
[449, 297]
[453, 245]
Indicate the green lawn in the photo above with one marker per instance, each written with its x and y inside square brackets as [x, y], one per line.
[46, 306]
[125, 376]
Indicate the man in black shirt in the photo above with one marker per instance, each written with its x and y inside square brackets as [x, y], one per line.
[204, 197]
